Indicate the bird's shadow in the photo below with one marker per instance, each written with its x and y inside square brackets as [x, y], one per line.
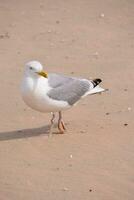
[24, 133]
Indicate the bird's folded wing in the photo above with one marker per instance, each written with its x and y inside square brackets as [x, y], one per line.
[68, 89]
[56, 80]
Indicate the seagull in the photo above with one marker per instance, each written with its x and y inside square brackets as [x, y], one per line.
[53, 92]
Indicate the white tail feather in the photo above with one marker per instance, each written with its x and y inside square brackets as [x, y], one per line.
[97, 89]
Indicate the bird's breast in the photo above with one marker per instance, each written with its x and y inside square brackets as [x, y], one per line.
[34, 94]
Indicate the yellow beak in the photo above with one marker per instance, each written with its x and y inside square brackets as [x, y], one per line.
[42, 73]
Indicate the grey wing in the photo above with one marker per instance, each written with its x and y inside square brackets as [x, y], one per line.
[56, 80]
[71, 91]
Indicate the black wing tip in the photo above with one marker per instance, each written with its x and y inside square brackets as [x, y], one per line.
[96, 81]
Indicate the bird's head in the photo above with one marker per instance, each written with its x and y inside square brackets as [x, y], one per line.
[34, 68]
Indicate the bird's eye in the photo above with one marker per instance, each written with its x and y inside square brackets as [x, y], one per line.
[30, 68]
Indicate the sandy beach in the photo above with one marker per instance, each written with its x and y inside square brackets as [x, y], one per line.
[94, 159]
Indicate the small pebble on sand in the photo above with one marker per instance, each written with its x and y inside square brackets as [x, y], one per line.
[82, 131]
[65, 189]
[102, 15]
[49, 31]
[129, 108]
[71, 156]
[95, 55]
[125, 124]
[57, 21]
[107, 113]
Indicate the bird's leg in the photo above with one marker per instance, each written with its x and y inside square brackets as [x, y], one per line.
[52, 124]
[61, 125]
